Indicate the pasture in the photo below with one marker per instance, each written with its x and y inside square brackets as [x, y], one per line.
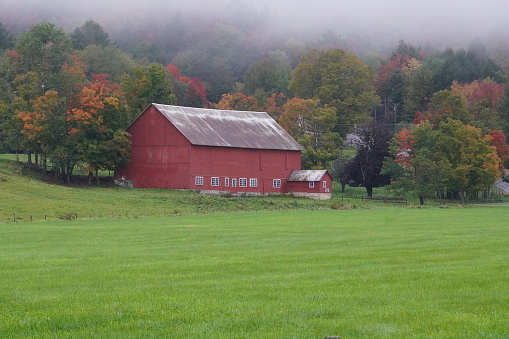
[377, 273]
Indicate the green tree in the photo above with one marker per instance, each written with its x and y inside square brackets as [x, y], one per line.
[44, 49]
[147, 85]
[312, 126]
[271, 75]
[106, 60]
[337, 79]
[6, 38]
[90, 33]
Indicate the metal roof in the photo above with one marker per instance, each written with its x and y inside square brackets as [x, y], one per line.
[239, 129]
[307, 175]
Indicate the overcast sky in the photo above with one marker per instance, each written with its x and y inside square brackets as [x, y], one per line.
[409, 19]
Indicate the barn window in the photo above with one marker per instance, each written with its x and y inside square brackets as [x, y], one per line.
[227, 182]
[214, 181]
[311, 184]
[325, 184]
[253, 182]
[234, 182]
[276, 183]
[198, 181]
[242, 182]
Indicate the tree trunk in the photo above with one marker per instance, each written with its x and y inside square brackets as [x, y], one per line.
[97, 175]
[343, 187]
[369, 191]
[421, 200]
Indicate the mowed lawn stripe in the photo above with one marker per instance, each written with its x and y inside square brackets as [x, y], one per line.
[388, 273]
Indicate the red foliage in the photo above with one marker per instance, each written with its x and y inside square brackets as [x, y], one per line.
[196, 87]
[499, 143]
[13, 54]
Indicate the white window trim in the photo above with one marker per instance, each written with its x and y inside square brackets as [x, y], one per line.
[198, 181]
[214, 181]
[311, 184]
[324, 184]
[276, 183]
[242, 182]
[253, 182]
[234, 182]
[226, 182]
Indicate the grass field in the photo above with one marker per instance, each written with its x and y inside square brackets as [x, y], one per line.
[378, 273]
[25, 196]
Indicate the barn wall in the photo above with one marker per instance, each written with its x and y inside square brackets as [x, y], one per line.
[160, 155]
[234, 163]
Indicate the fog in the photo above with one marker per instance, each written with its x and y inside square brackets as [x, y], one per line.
[454, 22]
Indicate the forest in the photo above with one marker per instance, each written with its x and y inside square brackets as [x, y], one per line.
[423, 119]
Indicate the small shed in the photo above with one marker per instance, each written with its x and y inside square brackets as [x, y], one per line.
[316, 184]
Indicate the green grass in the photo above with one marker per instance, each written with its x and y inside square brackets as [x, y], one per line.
[379, 273]
[24, 196]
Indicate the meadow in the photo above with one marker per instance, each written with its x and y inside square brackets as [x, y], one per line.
[375, 273]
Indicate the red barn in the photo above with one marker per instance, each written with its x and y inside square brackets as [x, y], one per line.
[214, 151]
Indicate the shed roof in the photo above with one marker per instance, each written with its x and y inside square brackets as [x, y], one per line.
[307, 175]
[239, 129]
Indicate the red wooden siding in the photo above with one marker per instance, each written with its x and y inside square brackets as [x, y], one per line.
[160, 155]
[236, 163]
[303, 186]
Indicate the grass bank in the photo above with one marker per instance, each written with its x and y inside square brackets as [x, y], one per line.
[379, 273]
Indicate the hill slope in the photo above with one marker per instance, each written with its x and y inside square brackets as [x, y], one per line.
[25, 196]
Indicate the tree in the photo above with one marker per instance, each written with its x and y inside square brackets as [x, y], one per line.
[95, 125]
[147, 85]
[237, 102]
[90, 33]
[312, 126]
[337, 79]
[413, 165]
[270, 75]
[365, 169]
[106, 60]
[6, 38]
[451, 157]
[498, 141]
[190, 92]
[44, 49]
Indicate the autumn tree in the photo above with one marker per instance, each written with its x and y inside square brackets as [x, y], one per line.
[498, 141]
[365, 169]
[274, 105]
[237, 102]
[451, 157]
[190, 92]
[96, 124]
[337, 79]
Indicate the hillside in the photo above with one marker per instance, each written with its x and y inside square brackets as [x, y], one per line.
[26, 196]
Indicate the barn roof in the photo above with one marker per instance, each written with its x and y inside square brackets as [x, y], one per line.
[239, 129]
[307, 175]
